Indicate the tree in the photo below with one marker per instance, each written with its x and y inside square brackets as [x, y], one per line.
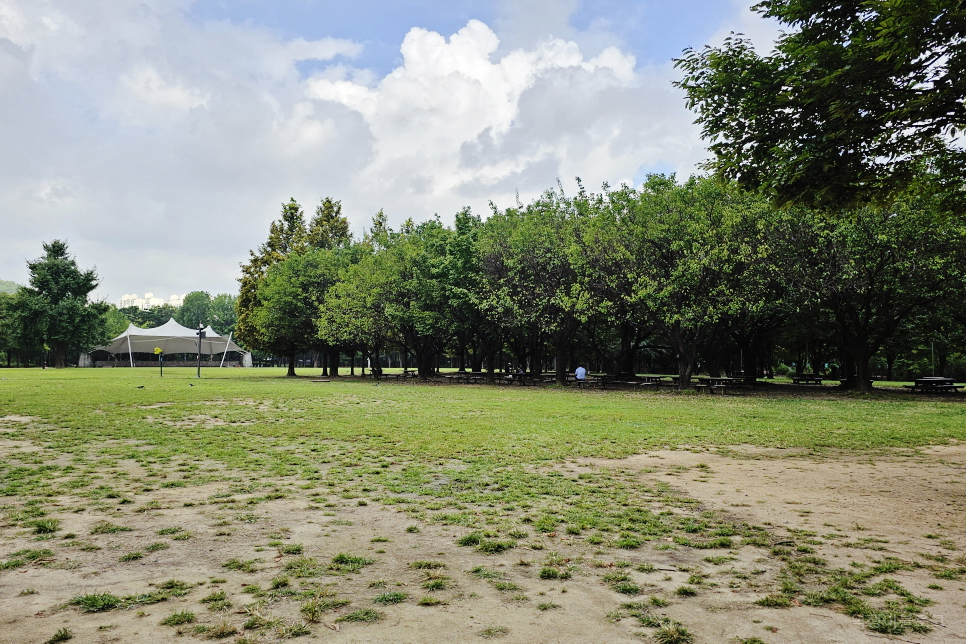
[54, 309]
[195, 310]
[289, 297]
[693, 262]
[416, 295]
[856, 98]
[115, 322]
[530, 259]
[286, 236]
[473, 332]
[873, 270]
[353, 313]
[149, 318]
[328, 229]
[7, 346]
[223, 313]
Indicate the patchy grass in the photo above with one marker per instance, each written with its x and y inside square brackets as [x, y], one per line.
[431, 453]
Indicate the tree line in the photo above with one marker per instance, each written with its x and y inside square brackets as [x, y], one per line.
[700, 274]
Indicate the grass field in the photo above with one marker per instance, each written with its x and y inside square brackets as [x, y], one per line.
[491, 462]
[244, 413]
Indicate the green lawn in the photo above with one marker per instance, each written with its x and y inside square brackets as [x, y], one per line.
[244, 415]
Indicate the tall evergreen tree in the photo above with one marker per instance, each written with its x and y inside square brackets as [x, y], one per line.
[55, 309]
[287, 235]
[328, 229]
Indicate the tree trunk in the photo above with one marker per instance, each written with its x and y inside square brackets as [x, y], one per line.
[561, 360]
[291, 363]
[334, 363]
[863, 381]
[59, 362]
[685, 370]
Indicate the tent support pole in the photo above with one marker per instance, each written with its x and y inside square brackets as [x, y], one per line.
[227, 344]
[130, 352]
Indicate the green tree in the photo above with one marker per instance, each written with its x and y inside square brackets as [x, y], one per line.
[416, 292]
[223, 313]
[7, 287]
[353, 312]
[54, 309]
[150, 318]
[531, 256]
[693, 263]
[328, 229]
[290, 296]
[872, 271]
[195, 310]
[7, 346]
[115, 322]
[474, 333]
[286, 235]
[854, 100]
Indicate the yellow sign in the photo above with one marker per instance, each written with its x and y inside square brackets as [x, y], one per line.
[157, 350]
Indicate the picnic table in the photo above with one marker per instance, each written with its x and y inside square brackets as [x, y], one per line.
[934, 384]
[713, 384]
[466, 377]
[647, 382]
[521, 379]
[806, 379]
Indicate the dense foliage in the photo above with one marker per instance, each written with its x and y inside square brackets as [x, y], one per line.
[690, 276]
[853, 102]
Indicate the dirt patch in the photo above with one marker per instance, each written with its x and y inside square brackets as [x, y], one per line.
[13, 418]
[900, 506]
[242, 535]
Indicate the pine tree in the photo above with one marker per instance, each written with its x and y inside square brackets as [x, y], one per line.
[329, 229]
[286, 236]
[54, 310]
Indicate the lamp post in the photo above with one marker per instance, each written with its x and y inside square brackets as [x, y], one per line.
[160, 353]
[201, 336]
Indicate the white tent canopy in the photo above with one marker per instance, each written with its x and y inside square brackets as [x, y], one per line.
[170, 337]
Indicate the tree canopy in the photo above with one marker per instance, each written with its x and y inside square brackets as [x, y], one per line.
[855, 103]
[54, 310]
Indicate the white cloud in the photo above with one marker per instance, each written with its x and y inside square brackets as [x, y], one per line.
[456, 121]
[161, 148]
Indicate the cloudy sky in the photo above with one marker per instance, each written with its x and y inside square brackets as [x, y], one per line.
[160, 137]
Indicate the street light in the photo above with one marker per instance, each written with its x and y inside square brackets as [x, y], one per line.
[201, 336]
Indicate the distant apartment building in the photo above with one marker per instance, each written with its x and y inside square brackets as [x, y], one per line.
[149, 301]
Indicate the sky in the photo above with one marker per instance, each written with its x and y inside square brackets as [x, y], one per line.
[159, 138]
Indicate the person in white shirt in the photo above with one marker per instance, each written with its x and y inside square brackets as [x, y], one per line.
[580, 375]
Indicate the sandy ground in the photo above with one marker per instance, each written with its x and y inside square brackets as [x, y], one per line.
[871, 507]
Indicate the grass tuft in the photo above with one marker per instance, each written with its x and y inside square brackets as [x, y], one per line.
[96, 602]
[179, 618]
[62, 635]
[366, 615]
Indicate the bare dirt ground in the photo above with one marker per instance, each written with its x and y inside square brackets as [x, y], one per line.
[854, 511]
